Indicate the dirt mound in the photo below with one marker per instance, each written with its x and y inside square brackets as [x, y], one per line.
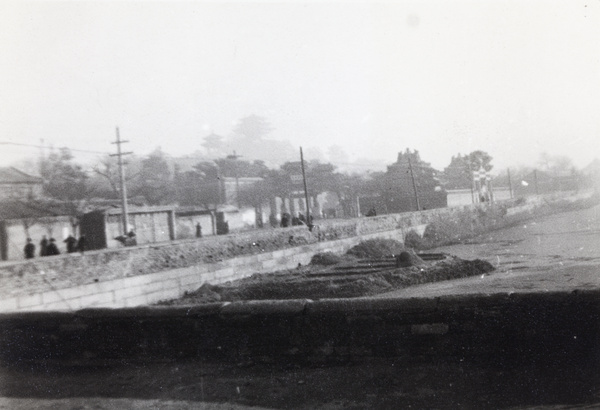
[350, 278]
[408, 258]
[376, 248]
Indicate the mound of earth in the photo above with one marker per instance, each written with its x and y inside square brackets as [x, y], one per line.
[376, 248]
[348, 278]
[408, 258]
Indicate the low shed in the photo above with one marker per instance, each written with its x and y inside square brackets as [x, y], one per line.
[150, 224]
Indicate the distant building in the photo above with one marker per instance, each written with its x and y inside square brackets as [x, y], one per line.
[17, 185]
[224, 219]
[151, 224]
[20, 219]
[460, 197]
[232, 186]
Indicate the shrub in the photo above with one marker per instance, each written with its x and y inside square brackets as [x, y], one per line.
[376, 248]
[414, 240]
[325, 258]
[450, 229]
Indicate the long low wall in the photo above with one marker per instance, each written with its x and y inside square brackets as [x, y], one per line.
[173, 283]
[147, 274]
[552, 330]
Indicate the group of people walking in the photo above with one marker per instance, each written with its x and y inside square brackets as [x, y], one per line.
[288, 220]
[48, 247]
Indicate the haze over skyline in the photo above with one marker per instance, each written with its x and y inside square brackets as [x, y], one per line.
[511, 78]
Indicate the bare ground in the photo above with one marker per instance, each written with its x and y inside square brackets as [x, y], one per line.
[349, 277]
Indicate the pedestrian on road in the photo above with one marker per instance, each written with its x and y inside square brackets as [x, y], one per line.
[29, 249]
[198, 230]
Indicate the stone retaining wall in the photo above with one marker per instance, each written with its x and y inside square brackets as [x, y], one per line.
[147, 274]
[170, 284]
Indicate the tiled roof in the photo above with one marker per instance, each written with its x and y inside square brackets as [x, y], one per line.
[10, 175]
[30, 209]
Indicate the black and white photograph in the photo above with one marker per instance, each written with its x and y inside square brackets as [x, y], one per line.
[299, 204]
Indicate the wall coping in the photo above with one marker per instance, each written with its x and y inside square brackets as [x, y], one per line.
[354, 306]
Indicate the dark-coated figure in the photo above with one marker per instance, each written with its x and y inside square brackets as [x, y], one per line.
[44, 246]
[52, 249]
[29, 249]
[285, 220]
[70, 241]
[131, 239]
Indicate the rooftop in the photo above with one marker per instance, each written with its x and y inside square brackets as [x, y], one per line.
[10, 175]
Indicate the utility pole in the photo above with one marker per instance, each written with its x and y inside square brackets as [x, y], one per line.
[490, 187]
[509, 183]
[237, 181]
[305, 190]
[42, 164]
[412, 176]
[472, 179]
[120, 154]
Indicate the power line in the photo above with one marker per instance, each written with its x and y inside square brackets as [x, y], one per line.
[43, 146]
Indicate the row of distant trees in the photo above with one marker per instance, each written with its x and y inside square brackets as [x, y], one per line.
[159, 180]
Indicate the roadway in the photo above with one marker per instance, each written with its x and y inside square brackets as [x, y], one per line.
[559, 252]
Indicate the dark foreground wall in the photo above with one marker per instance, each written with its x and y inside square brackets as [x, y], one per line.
[554, 330]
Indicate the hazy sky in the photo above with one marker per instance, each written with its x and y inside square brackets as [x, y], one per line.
[514, 78]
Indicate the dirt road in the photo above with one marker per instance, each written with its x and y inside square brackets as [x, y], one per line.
[553, 253]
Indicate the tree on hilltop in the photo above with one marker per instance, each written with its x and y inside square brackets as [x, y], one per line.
[253, 127]
[459, 174]
[155, 182]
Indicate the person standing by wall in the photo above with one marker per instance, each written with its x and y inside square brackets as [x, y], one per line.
[29, 249]
[44, 246]
[70, 241]
[52, 249]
